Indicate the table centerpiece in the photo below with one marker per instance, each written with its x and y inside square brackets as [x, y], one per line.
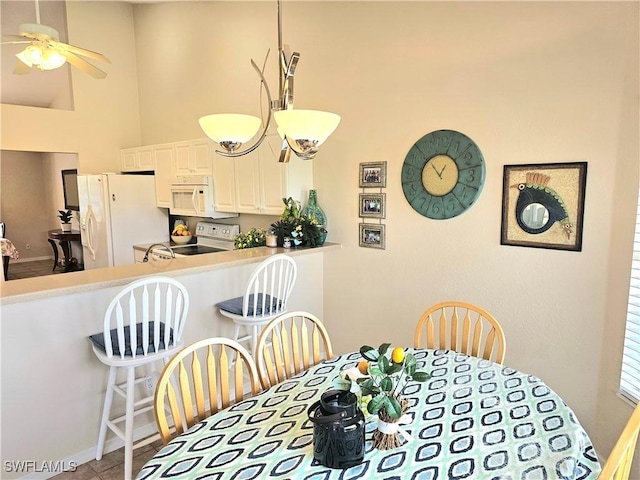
[382, 375]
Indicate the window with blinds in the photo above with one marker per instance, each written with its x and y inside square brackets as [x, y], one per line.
[630, 377]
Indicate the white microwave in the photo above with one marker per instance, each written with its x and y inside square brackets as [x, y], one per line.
[193, 197]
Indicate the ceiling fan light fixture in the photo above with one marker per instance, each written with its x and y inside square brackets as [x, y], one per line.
[32, 55]
[230, 130]
[52, 60]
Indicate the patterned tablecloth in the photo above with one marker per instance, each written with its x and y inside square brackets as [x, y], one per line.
[8, 249]
[473, 420]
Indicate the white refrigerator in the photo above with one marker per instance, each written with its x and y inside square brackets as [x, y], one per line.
[116, 212]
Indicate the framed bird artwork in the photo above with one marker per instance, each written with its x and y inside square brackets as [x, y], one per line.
[543, 205]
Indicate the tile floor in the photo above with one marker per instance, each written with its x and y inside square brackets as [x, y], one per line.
[111, 466]
[37, 268]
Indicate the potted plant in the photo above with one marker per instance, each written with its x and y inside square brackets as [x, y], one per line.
[256, 237]
[302, 230]
[65, 217]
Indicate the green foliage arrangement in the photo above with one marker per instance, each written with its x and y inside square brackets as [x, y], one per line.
[388, 373]
[65, 216]
[256, 237]
[304, 230]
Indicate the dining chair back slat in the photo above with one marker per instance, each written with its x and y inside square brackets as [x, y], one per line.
[618, 464]
[211, 381]
[461, 327]
[289, 344]
[186, 395]
[230, 375]
[477, 337]
[198, 386]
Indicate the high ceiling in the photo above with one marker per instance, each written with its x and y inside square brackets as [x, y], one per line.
[36, 89]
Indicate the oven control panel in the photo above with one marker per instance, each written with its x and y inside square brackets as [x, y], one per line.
[218, 231]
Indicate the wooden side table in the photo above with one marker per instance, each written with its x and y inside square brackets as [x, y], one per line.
[65, 239]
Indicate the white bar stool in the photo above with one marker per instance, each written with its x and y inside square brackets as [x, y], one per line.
[148, 315]
[265, 298]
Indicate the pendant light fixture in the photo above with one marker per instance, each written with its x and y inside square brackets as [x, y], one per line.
[303, 131]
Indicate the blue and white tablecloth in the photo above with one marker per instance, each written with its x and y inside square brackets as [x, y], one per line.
[473, 420]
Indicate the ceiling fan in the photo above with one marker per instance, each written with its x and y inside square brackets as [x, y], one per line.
[45, 51]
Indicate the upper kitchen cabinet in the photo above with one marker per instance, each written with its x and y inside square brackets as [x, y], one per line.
[261, 182]
[193, 158]
[164, 165]
[138, 159]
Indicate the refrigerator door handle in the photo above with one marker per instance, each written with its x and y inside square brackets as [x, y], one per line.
[91, 231]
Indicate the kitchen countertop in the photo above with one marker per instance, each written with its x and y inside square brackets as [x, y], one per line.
[169, 243]
[28, 289]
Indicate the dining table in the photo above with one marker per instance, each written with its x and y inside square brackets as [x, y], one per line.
[8, 250]
[65, 238]
[473, 419]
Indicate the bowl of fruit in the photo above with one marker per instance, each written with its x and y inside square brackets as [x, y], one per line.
[181, 235]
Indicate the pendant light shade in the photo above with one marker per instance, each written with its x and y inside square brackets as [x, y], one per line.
[306, 125]
[230, 130]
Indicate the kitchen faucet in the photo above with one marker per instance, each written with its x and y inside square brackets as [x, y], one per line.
[146, 254]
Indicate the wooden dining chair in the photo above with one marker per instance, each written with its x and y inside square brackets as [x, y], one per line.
[201, 379]
[461, 327]
[618, 464]
[289, 344]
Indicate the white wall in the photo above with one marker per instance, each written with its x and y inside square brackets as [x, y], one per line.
[530, 82]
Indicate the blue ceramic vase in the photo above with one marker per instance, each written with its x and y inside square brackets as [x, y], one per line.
[312, 208]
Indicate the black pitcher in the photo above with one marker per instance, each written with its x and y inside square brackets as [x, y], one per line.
[338, 429]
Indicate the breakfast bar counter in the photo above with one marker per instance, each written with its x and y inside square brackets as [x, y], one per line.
[88, 280]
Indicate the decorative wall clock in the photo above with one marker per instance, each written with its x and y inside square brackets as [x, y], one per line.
[443, 174]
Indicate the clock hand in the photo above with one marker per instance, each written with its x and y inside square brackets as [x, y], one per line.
[440, 174]
[437, 173]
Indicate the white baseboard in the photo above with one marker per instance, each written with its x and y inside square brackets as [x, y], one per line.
[31, 259]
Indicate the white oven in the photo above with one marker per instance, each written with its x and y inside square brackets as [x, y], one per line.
[193, 197]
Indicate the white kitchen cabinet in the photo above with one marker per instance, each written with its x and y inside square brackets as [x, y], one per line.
[261, 182]
[138, 159]
[193, 158]
[164, 159]
[224, 188]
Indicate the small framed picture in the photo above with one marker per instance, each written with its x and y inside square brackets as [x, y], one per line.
[372, 235]
[373, 174]
[372, 205]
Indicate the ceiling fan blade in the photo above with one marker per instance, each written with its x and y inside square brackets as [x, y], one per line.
[83, 65]
[21, 68]
[84, 52]
[15, 39]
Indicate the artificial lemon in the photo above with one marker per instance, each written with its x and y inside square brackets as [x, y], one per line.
[397, 355]
[363, 366]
